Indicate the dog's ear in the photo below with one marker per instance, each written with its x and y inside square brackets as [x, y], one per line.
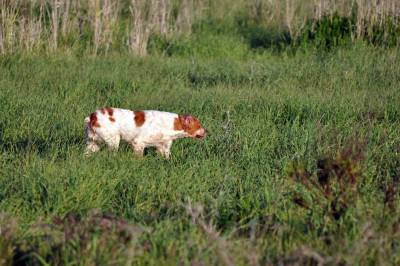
[184, 121]
[189, 123]
[187, 119]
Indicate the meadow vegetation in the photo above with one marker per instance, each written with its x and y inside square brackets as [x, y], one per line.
[301, 166]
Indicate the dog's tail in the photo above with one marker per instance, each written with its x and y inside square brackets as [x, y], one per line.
[90, 133]
[87, 121]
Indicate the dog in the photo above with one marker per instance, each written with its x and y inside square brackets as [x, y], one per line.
[141, 129]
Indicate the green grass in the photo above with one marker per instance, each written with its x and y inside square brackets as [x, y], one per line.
[264, 112]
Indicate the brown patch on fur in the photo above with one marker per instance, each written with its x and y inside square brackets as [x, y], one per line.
[139, 118]
[93, 120]
[177, 123]
[110, 111]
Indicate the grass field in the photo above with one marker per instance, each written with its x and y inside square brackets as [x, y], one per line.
[241, 196]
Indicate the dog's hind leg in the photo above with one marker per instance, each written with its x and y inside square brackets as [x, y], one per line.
[91, 147]
[91, 138]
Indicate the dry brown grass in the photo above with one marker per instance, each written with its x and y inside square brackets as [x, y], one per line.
[46, 24]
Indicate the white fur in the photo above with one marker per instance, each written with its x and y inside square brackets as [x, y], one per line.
[157, 130]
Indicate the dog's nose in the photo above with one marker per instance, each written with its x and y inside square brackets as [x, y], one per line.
[201, 133]
[204, 132]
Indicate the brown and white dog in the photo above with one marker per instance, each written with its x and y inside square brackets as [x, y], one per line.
[141, 129]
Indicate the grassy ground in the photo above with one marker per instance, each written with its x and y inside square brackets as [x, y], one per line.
[231, 199]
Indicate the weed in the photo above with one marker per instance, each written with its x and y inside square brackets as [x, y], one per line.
[335, 185]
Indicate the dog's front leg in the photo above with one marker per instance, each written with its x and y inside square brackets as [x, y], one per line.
[165, 149]
[138, 148]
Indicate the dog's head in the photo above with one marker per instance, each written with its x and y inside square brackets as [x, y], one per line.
[191, 125]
